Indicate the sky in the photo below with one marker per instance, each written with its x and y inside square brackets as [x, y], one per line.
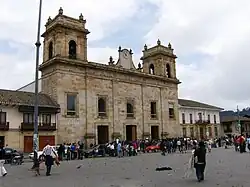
[211, 39]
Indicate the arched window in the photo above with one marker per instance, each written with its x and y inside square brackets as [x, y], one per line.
[168, 71]
[130, 110]
[72, 49]
[151, 69]
[101, 107]
[50, 50]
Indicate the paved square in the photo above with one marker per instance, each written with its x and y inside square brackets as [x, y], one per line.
[224, 168]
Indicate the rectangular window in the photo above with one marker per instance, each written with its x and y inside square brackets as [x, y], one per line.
[216, 131]
[199, 116]
[191, 118]
[171, 110]
[71, 104]
[46, 119]
[214, 119]
[28, 118]
[153, 110]
[3, 117]
[102, 107]
[130, 110]
[208, 118]
[192, 132]
[184, 132]
[183, 118]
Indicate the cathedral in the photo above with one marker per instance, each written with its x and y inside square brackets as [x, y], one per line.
[100, 102]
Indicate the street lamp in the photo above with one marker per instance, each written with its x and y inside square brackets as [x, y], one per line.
[38, 44]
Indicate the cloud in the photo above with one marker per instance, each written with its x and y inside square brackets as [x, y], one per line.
[19, 20]
[211, 39]
[218, 32]
[104, 18]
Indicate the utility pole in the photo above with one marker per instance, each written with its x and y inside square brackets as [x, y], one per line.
[238, 116]
[38, 44]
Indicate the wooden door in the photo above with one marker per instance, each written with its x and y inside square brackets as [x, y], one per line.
[103, 134]
[134, 133]
[154, 132]
[43, 140]
[28, 144]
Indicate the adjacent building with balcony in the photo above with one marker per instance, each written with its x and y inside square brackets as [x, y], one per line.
[17, 119]
[230, 125]
[199, 120]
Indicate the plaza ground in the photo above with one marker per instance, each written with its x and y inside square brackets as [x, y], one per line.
[225, 168]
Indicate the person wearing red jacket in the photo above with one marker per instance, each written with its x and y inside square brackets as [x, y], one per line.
[242, 143]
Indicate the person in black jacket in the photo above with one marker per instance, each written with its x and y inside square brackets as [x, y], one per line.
[2, 153]
[200, 161]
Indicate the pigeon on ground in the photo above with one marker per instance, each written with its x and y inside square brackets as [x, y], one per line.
[78, 167]
[163, 169]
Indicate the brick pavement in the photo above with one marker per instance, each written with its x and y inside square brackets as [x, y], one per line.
[225, 169]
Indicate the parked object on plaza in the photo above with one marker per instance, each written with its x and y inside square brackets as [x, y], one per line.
[153, 148]
[3, 171]
[13, 156]
[163, 169]
[17, 160]
[96, 151]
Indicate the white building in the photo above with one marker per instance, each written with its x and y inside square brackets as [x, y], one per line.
[199, 120]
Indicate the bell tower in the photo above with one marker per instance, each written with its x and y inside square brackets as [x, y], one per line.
[159, 60]
[65, 37]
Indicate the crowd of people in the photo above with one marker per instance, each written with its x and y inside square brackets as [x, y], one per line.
[120, 148]
[241, 143]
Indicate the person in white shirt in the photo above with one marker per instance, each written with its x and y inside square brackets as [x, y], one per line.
[48, 151]
[248, 143]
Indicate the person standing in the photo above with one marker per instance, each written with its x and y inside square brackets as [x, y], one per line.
[242, 143]
[119, 149]
[48, 151]
[3, 171]
[248, 143]
[200, 161]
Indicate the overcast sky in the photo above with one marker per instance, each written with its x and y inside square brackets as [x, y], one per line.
[211, 39]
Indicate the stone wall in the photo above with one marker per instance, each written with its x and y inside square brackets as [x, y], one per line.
[117, 87]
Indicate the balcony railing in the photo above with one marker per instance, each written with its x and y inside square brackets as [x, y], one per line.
[202, 122]
[4, 126]
[41, 126]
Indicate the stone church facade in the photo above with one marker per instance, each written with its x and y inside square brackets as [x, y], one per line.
[101, 102]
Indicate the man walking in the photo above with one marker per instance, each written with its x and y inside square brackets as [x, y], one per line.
[200, 161]
[48, 151]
